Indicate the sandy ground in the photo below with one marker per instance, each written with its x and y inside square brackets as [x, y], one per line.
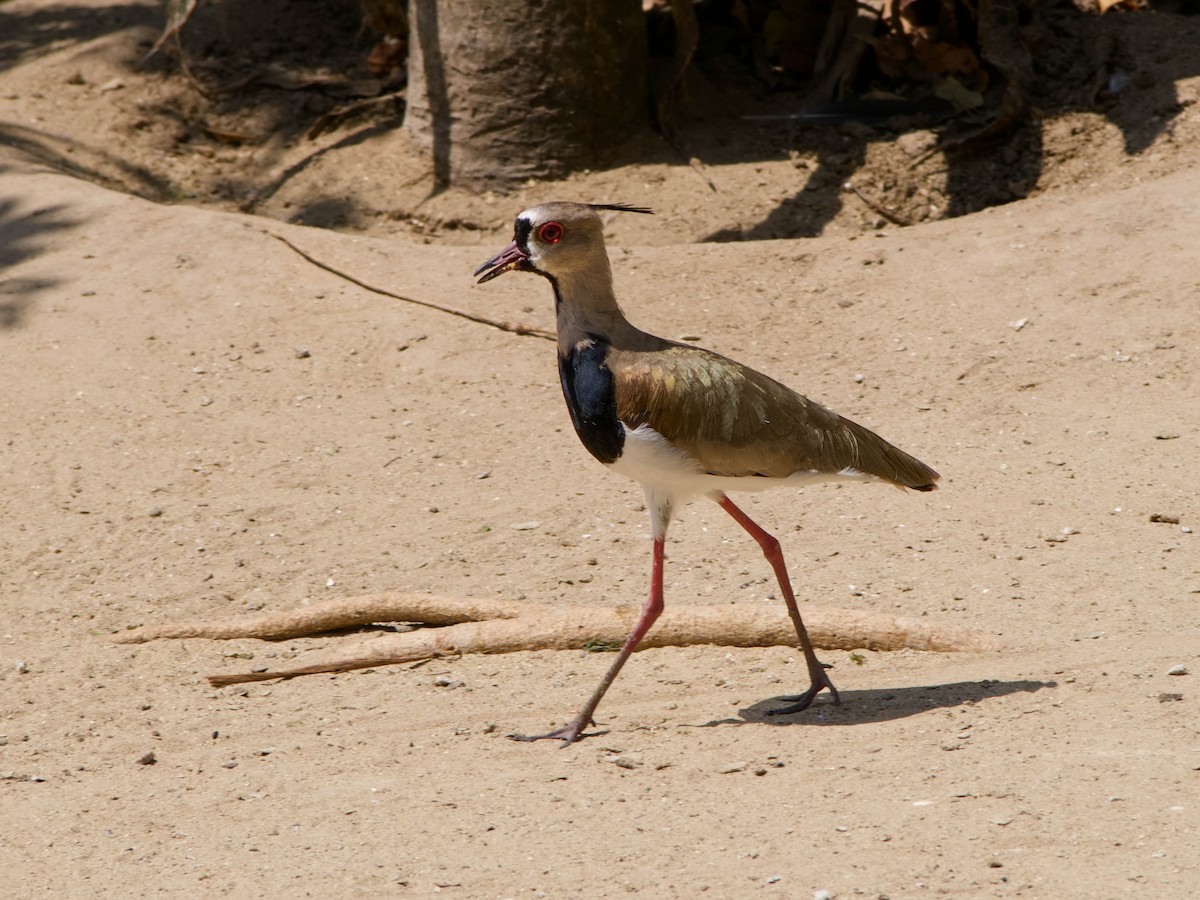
[199, 423]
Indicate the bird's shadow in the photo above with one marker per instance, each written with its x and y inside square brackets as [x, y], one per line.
[883, 705]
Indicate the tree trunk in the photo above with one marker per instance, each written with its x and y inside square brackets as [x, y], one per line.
[504, 90]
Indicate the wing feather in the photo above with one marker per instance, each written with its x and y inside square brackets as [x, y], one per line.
[735, 421]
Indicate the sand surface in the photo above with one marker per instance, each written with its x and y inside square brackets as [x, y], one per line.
[198, 423]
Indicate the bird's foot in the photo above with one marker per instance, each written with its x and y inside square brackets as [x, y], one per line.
[568, 734]
[799, 702]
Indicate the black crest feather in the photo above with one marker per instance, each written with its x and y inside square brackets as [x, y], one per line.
[622, 207]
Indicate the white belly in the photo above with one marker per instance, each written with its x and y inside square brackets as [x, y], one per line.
[668, 474]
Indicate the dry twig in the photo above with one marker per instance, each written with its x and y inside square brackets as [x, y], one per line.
[521, 328]
[497, 626]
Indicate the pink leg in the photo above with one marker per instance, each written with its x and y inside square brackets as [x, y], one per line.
[650, 613]
[818, 677]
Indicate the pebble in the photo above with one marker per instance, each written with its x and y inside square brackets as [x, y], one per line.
[147, 759]
[823, 895]
[447, 681]
[624, 762]
[1177, 670]
[732, 768]
[303, 353]
[231, 764]
[526, 526]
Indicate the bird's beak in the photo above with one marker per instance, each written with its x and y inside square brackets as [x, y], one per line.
[510, 258]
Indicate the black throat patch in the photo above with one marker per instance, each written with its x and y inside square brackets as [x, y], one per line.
[588, 388]
[521, 231]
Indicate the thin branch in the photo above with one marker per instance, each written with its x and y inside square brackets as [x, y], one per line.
[889, 214]
[521, 328]
[468, 625]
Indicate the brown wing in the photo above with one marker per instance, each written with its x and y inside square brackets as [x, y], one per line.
[735, 421]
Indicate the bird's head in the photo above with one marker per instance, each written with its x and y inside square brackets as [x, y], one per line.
[556, 240]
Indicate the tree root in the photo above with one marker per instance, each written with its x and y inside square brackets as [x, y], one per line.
[467, 625]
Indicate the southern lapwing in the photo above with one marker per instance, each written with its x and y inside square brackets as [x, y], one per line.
[681, 420]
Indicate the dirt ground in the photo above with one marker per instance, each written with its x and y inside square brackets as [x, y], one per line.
[199, 423]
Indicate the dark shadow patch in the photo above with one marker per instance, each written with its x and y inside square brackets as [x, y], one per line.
[23, 236]
[868, 707]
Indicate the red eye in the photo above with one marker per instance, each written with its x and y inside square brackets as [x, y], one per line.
[550, 233]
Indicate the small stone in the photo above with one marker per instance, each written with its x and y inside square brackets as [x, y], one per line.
[22, 667]
[229, 764]
[155, 512]
[1177, 670]
[1165, 518]
[823, 895]
[447, 681]
[114, 84]
[859, 377]
[526, 526]
[147, 759]
[732, 768]
[1019, 324]
[303, 353]
[1167, 697]
[623, 762]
